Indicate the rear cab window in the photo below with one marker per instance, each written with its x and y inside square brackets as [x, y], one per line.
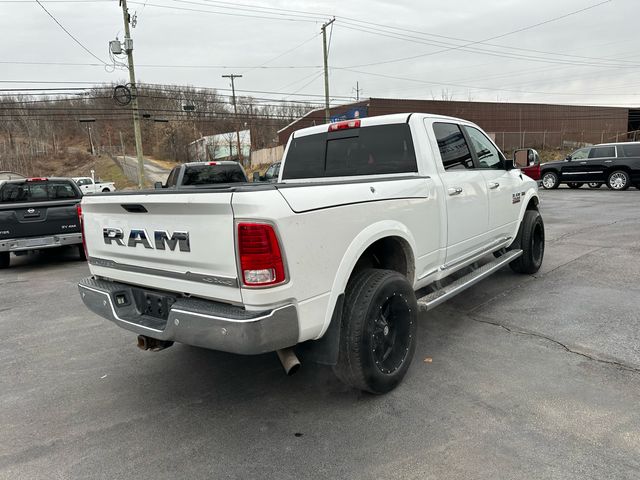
[210, 174]
[373, 150]
[39, 191]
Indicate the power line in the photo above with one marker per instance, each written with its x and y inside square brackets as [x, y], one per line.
[70, 34]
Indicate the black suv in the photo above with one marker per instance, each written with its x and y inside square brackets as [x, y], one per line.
[615, 164]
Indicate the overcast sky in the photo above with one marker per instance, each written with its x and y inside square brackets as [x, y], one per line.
[448, 47]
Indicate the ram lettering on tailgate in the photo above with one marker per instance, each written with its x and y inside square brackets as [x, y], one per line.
[161, 239]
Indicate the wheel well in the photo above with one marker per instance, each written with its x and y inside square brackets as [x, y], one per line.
[624, 168]
[389, 253]
[533, 203]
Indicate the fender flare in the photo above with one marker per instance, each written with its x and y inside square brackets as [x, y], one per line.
[362, 241]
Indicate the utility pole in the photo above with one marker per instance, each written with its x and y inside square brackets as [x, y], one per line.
[235, 110]
[327, 113]
[128, 47]
[357, 91]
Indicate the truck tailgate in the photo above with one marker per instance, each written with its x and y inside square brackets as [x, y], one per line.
[181, 242]
[38, 219]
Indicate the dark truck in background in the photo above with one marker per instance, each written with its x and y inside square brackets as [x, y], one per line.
[38, 213]
[196, 174]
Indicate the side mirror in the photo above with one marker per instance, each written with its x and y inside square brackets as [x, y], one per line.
[157, 185]
[568, 158]
[256, 176]
[525, 157]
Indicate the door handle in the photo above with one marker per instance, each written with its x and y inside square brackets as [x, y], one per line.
[493, 185]
[454, 191]
[583, 163]
[608, 161]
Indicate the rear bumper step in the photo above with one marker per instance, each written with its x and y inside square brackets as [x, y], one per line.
[202, 323]
[434, 299]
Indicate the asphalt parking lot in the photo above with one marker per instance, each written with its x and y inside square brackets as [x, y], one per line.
[532, 377]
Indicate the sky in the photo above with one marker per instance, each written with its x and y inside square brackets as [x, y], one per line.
[543, 51]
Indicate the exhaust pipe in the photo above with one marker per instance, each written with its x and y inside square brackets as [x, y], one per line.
[289, 360]
[153, 344]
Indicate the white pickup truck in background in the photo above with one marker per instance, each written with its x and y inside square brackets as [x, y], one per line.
[370, 221]
[88, 185]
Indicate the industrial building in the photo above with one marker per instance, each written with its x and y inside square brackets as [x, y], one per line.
[512, 125]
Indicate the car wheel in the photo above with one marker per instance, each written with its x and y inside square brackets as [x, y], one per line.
[5, 259]
[550, 180]
[378, 335]
[106, 190]
[530, 240]
[618, 180]
[574, 184]
[594, 185]
[81, 253]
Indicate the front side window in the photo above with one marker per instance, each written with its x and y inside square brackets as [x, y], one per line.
[488, 155]
[602, 152]
[580, 154]
[454, 150]
[84, 181]
[173, 177]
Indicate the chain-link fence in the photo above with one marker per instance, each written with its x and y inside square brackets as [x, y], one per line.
[560, 140]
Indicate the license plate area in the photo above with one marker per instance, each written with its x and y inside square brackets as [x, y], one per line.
[153, 304]
[37, 242]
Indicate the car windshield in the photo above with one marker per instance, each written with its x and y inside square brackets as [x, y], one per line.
[37, 191]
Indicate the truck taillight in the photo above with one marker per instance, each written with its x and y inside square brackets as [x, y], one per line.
[345, 125]
[80, 219]
[261, 262]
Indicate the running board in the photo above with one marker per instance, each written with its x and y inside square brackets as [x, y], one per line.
[434, 299]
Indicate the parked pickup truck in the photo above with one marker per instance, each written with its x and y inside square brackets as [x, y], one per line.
[87, 185]
[38, 213]
[202, 174]
[370, 221]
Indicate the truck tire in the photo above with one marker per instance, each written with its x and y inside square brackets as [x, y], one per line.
[81, 253]
[618, 180]
[378, 334]
[5, 259]
[530, 240]
[550, 180]
[574, 184]
[105, 190]
[594, 185]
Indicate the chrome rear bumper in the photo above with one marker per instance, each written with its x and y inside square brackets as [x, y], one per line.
[202, 323]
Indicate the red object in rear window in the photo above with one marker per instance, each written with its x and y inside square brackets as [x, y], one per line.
[37, 179]
[261, 262]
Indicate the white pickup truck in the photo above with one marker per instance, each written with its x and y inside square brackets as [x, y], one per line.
[88, 185]
[371, 221]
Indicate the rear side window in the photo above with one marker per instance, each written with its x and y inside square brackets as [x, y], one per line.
[37, 191]
[602, 152]
[375, 150]
[209, 174]
[630, 150]
[454, 150]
